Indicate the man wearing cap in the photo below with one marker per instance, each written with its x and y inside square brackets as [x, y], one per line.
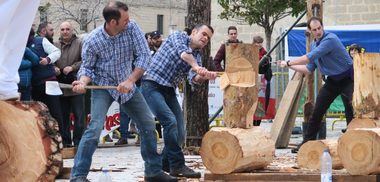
[155, 41]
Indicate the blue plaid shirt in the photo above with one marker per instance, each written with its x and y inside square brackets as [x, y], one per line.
[107, 60]
[167, 68]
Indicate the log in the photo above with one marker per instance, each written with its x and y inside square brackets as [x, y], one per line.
[363, 123]
[29, 141]
[240, 85]
[309, 155]
[359, 150]
[227, 150]
[366, 97]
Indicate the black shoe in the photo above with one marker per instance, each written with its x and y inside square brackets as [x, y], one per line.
[122, 141]
[162, 177]
[344, 130]
[295, 150]
[185, 171]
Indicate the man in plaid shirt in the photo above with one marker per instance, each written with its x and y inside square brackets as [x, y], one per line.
[107, 56]
[178, 57]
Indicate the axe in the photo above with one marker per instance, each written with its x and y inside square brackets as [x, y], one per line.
[54, 88]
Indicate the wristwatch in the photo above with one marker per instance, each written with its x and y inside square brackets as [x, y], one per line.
[287, 63]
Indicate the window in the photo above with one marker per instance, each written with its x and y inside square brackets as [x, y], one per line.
[83, 19]
[43, 14]
[160, 23]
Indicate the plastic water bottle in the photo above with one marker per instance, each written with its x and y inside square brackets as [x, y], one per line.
[105, 176]
[326, 166]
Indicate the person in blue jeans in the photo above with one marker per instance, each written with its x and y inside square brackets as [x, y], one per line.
[179, 56]
[107, 56]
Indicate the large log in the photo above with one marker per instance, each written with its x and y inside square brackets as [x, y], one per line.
[240, 85]
[363, 123]
[366, 98]
[359, 151]
[309, 155]
[227, 150]
[30, 144]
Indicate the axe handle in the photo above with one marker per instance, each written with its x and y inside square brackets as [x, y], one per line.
[62, 85]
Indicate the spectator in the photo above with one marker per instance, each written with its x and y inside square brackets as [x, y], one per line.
[43, 72]
[66, 69]
[29, 60]
[221, 54]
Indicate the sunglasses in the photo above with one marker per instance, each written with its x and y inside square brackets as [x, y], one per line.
[63, 29]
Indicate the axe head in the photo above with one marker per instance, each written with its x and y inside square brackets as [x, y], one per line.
[52, 88]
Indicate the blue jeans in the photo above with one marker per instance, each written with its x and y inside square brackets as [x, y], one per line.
[163, 103]
[138, 110]
[124, 123]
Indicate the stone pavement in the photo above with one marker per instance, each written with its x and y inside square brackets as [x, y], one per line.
[128, 165]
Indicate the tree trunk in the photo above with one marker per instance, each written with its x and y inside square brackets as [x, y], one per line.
[309, 155]
[363, 123]
[366, 99]
[196, 97]
[241, 90]
[359, 151]
[29, 141]
[227, 150]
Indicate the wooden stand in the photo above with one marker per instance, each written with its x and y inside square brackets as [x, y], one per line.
[275, 176]
[29, 141]
[309, 155]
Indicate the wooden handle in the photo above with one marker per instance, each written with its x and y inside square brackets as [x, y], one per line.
[99, 87]
[63, 85]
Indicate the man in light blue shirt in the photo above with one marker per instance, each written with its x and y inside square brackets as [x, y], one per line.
[332, 59]
[107, 54]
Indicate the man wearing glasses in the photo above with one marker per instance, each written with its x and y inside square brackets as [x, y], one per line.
[221, 54]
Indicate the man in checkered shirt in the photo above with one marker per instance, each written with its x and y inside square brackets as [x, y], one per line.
[179, 56]
[107, 56]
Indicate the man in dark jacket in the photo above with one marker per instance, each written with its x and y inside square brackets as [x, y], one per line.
[66, 69]
[221, 54]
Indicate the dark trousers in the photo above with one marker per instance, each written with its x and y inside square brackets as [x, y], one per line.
[25, 92]
[73, 104]
[330, 90]
[53, 104]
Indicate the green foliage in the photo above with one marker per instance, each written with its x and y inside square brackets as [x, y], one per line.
[261, 12]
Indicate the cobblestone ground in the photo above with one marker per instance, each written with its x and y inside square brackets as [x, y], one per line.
[128, 164]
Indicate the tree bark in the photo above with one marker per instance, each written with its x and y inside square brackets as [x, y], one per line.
[366, 98]
[359, 151]
[196, 97]
[309, 155]
[29, 141]
[227, 150]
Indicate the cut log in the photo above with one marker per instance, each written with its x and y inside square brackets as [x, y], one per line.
[240, 85]
[227, 150]
[363, 123]
[29, 141]
[359, 151]
[366, 98]
[309, 155]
